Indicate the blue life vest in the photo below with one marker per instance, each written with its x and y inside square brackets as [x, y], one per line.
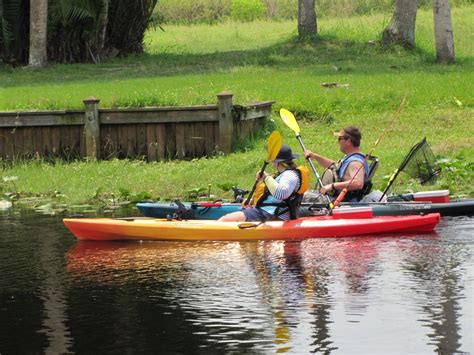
[349, 159]
[286, 209]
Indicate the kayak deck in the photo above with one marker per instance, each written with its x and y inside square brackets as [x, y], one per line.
[308, 227]
[216, 210]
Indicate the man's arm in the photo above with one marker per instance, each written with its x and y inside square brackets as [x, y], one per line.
[323, 161]
[352, 170]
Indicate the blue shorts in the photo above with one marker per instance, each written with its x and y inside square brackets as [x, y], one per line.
[257, 214]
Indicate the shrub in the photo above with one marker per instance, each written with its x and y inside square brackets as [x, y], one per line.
[247, 10]
[281, 9]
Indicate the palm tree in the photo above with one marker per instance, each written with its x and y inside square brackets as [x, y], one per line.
[307, 23]
[75, 31]
[102, 25]
[38, 33]
[443, 32]
[401, 29]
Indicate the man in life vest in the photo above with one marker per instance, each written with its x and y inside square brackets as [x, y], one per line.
[278, 196]
[337, 175]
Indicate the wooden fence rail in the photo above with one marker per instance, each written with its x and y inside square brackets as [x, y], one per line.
[154, 133]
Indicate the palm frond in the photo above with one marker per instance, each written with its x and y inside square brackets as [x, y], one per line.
[10, 18]
[77, 10]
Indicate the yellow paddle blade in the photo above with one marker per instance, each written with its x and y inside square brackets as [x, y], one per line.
[274, 145]
[290, 120]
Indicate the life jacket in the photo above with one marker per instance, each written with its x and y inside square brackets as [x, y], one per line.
[292, 203]
[335, 173]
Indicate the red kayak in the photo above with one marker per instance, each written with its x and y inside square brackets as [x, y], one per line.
[343, 223]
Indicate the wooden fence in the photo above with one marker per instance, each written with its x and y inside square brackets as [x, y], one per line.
[154, 133]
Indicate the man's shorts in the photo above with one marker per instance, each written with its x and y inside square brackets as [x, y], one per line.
[257, 214]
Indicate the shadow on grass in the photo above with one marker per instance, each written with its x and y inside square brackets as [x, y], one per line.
[315, 53]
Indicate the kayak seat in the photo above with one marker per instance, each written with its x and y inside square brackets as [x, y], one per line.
[373, 165]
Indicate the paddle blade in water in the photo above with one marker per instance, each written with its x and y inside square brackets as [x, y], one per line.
[290, 120]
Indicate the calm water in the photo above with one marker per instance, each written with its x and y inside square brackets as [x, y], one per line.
[396, 294]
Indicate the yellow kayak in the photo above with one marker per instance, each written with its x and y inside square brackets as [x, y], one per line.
[309, 227]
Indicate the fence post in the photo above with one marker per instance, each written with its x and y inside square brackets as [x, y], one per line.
[92, 127]
[226, 123]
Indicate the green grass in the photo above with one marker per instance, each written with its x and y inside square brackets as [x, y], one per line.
[190, 64]
[262, 61]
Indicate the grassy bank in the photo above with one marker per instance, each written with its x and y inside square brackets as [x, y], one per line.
[260, 61]
[190, 64]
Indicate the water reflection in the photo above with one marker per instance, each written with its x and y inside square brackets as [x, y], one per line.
[438, 271]
[33, 302]
[275, 296]
[52, 293]
[315, 296]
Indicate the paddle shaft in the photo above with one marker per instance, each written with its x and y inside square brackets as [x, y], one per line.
[312, 165]
[249, 197]
[310, 161]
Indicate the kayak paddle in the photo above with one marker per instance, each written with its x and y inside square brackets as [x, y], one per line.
[290, 121]
[274, 144]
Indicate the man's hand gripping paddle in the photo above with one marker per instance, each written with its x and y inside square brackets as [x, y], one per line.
[290, 121]
[274, 145]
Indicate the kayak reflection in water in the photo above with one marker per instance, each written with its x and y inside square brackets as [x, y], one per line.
[277, 196]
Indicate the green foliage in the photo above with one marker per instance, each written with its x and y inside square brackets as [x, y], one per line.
[97, 196]
[212, 11]
[13, 32]
[126, 195]
[196, 192]
[247, 10]
[140, 196]
[192, 11]
[323, 116]
[253, 139]
[457, 172]
[226, 186]
[282, 9]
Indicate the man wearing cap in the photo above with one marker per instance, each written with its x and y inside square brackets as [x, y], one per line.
[279, 197]
[349, 142]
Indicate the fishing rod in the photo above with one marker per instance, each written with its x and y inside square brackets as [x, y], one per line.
[343, 193]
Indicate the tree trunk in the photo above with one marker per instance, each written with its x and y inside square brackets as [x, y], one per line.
[307, 25]
[443, 32]
[38, 33]
[103, 22]
[401, 29]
